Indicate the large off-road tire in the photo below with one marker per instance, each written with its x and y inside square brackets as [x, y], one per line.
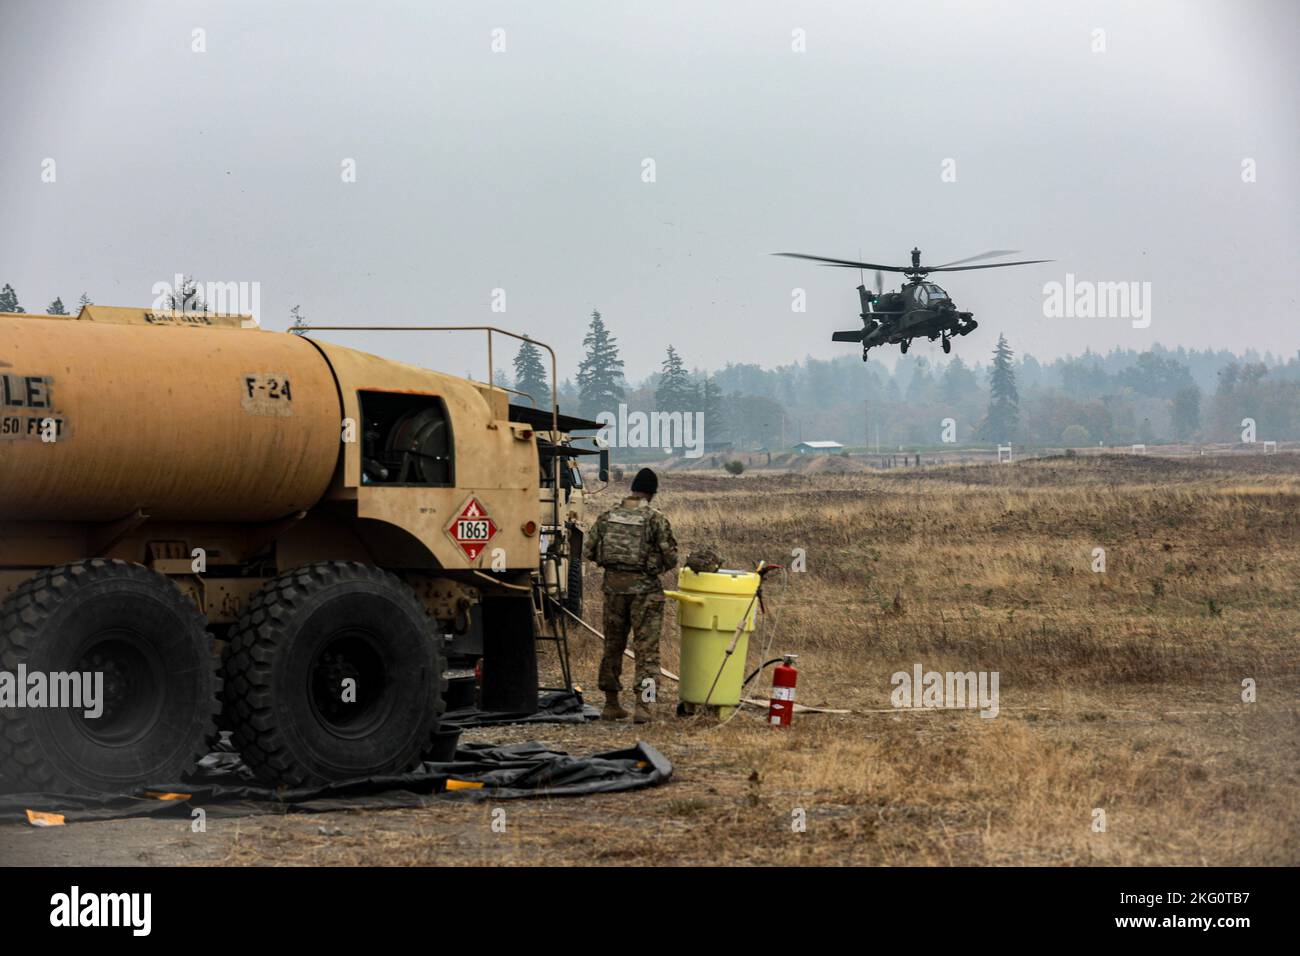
[160, 686]
[288, 660]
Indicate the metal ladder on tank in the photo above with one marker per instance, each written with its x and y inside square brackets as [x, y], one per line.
[557, 622]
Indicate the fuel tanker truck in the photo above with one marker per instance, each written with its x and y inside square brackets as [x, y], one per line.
[266, 533]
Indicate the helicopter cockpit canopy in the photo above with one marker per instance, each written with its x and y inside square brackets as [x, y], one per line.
[927, 293]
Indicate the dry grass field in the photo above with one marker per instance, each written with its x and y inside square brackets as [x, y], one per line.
[1119, 691]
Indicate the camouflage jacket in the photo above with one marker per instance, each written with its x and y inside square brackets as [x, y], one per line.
[632, 563]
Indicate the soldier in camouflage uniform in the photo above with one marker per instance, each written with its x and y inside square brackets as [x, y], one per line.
[634, 544]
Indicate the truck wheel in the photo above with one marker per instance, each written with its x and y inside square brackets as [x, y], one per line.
[160, 685]
[332, 673]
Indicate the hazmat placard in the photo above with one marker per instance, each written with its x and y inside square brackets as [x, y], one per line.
[472, 528]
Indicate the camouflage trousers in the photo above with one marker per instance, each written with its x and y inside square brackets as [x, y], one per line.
[643, 614]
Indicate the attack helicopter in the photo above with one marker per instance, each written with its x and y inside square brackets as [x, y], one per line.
[919, 308]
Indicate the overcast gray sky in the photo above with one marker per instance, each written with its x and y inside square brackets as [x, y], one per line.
[522, 169]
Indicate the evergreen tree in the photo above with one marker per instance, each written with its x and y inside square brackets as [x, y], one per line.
[674, 393]
[755, 420]
[958, 382]
[56, 308]
[600, 374]
[530, 374]
[709, 401]
[296, 320]
[9, 299]
[188, 298]
[1003, 416]
[83, 302]
[920, 388]
[568, 394]
[1186, 412]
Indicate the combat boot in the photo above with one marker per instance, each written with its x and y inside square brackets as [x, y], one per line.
[612, 709]
[643, 713]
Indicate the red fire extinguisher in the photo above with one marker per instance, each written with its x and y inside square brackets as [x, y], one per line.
[781, 707]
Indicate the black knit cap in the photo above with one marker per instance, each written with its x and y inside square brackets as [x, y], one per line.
[646, 481]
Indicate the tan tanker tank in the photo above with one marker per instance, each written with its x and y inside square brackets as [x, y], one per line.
[179, 487]
[194, 423]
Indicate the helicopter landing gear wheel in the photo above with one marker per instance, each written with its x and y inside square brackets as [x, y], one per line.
[947, 344]
[902, 346]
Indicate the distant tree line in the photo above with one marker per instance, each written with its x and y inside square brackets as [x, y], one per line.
[1117, 398]
[1120, 397]
[9, 302]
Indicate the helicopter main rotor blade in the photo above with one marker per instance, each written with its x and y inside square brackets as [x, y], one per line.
[844, 263]
[994, 265]
[991, 254]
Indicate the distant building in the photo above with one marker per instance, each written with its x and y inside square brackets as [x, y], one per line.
[818, 448]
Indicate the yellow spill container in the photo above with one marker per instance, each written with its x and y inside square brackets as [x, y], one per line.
[710, 607]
